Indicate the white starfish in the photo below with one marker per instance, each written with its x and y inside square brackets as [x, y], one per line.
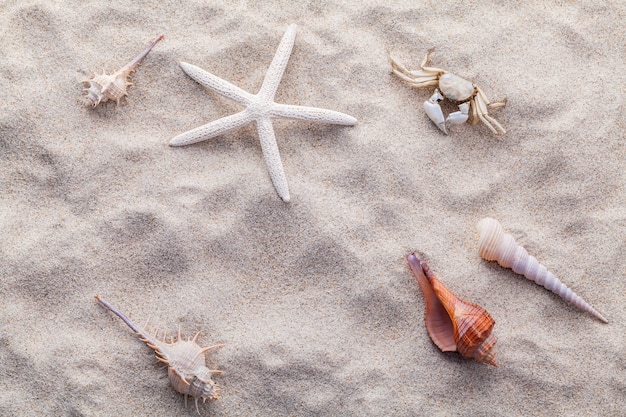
[260, 108]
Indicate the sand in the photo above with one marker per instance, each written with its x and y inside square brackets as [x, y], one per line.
[313, 299]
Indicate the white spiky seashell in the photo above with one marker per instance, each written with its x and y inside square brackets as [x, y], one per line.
[186, 368]
[104, 87]
[495, 245]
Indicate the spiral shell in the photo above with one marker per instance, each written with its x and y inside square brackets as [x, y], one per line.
[104, 87]
[495, 245]
[454, 324]
[187, 371]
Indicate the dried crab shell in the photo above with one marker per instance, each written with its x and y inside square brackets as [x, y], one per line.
[454, 324]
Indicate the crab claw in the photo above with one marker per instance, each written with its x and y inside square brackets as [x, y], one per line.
[459, 117]
[433, 110]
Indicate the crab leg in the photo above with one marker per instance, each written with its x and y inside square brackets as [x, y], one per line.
[483, 115]
[495, 105]
[481, 110]
[415, 78]
[423, 66]
[495, 122]
[485, 103]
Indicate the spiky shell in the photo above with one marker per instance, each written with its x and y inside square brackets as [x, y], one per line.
[454, 324]
[495, 245]
[187, 371]
[104, 87]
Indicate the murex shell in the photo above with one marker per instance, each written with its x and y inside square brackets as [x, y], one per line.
[454, 324]
[495, 245]
[186, 368]
[104, 87]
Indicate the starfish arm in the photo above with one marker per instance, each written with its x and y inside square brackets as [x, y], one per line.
[217, 84]
[272, 157]
[277, 67]
[213, 129]
[312, 114]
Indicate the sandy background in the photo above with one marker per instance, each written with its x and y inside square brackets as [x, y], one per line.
[314, 300]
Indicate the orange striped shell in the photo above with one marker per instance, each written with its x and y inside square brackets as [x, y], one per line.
[454, 324]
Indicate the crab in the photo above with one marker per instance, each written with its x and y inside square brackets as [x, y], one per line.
[472, 100]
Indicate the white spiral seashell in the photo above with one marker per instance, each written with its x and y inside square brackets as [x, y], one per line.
[495, 245]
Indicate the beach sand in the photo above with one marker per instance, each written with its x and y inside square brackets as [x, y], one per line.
[313, 299]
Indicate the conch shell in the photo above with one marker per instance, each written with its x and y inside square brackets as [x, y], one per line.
[104, 87]
[454, 324]
[495, 245]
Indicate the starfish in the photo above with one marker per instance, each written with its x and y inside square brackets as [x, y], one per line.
[261, 109]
